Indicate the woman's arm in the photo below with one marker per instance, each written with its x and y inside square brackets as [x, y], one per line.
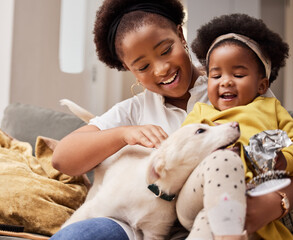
[85, 148]
[265, 209]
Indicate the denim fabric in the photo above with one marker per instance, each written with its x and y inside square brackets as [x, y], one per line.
[92, 229]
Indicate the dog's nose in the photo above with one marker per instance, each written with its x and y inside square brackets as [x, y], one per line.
[235, 125]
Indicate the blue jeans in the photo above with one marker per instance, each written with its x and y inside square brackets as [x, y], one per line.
[92, 229]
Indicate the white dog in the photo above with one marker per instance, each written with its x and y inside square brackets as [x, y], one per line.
[120, 188]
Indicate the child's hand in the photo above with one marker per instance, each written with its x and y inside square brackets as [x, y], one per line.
[281, 162]
[147, 135]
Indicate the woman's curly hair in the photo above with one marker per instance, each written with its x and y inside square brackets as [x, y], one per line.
[271, 43]
[110, 9]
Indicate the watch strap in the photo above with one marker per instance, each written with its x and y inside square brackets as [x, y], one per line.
[284, 203]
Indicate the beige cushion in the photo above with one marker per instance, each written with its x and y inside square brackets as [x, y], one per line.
[32, 193]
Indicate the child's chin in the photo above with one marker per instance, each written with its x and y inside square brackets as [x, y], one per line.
[226, 106]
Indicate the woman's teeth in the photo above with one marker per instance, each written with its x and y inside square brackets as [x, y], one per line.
[170, 79]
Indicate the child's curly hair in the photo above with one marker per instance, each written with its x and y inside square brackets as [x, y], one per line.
[271, 43]
[111, 9]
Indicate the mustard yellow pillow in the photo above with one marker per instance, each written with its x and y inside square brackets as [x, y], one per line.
[32, 193]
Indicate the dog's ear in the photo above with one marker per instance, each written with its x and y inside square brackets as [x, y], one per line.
[152, 175]
[156, 170]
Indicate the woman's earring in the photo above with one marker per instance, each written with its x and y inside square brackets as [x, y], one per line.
[187, 51]
[139, 88]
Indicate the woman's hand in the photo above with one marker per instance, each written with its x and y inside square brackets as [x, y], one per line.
[266, 208]
[147, 135]
[74, 158]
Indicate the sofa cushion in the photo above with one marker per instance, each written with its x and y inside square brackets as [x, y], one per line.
[34, 194]
[25, 122]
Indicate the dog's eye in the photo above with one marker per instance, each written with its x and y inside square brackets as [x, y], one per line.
[200, 130]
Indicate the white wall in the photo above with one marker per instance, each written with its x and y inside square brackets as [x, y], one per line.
[36, 77]
[288, 83]
[6, 23]
[200, 12]
[277, 24]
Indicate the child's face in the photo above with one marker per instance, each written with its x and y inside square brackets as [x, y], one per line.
[157, 58]
[234, 77]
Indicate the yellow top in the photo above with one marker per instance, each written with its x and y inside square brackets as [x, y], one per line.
[262, 114]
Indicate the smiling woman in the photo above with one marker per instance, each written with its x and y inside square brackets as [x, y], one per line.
[144, 37]
[158, 60]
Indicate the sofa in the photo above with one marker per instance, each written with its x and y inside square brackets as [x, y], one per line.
[21, 128]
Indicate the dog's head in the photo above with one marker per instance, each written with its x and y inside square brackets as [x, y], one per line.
[181, 152]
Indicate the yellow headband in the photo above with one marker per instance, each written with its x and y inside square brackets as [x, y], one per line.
[250, 43]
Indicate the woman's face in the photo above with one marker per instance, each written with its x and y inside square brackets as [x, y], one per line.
[157, 58]
[234, 77]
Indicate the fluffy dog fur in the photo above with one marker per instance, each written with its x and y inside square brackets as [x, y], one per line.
[120, 186]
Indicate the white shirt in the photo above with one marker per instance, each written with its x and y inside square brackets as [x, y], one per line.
[150, 108]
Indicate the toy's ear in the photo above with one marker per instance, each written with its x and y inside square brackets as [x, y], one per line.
[155, 170]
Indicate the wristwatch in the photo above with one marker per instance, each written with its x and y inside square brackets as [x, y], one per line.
[284, 203]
